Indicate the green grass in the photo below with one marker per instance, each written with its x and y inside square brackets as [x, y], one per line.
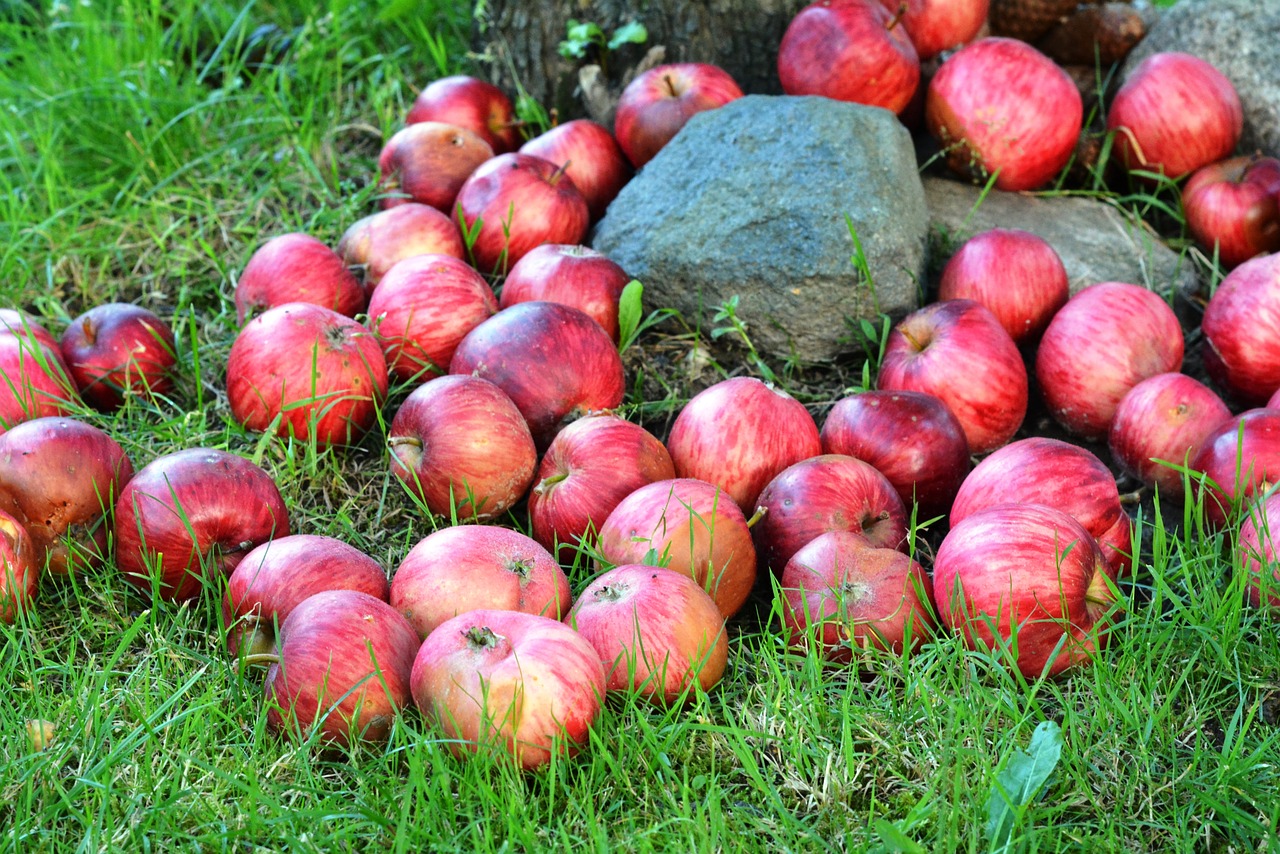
[138, 163]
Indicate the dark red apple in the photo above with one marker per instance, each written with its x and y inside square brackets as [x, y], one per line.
[19, 569]
[297, 267]
[570, 275]
[473, 104]
[1257, 552]
[590, 156]
[428, 163]
[373, 244]
[938, 25]
[116, 350]
[1239, 460]
[1232, 208]
[659, 101]
[34, 381]
[1241, 327]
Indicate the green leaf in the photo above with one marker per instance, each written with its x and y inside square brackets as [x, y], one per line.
[1020, 782]
[632, 33]
[895, 840]
[630, 311]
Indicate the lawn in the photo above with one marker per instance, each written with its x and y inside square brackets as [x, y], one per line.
[143, 157]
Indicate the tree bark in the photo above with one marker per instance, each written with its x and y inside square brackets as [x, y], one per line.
[520, 42]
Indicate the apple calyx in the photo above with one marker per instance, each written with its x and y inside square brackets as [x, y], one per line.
[482, 637]
[521, 566]
[854, 591]
[612, 592]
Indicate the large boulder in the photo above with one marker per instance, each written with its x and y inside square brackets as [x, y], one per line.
[750, 200]
[1238, 37]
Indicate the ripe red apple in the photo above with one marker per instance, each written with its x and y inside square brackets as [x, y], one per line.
[658, 102]
[844, 595]
[473, 104]
[275, 577]
[589, 467]
[503, 680]
[469, 567]
[118, 349]
[849, 50]
[190, 515]
[589, 155]
[60, 477]
[428, 162]
[657, 632]
[570, 275]
[1233, 207]
[691, 526]
[462, 447]
[1241, 327]
[344, 659]
[739, 434]
[19, 569]
[938, 25]
[910, 437]
[1107, 338]
[1160, 423]
[1000, 107]
[297, 267]
[309, 372]
[827, 493]
[957, 351]
[14, 322]
[1027, 582]
[373, 244]
[1173, 114]
[555, 362]
[1015, 274]
[1257, 553]
[1240, 459]
[422, 308]
[34, 381]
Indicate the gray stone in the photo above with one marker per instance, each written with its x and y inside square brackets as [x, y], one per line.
[1241, 38]
[749, 200]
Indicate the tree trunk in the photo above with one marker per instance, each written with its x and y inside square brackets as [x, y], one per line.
[521, 41]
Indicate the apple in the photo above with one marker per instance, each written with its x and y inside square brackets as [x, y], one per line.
[1232, 207]
[428, 162]
[1028, 582]
[1174, 113]
[469, 567]
[590, 156]
[1019, 276]
[375, 243]
[17, 323]
[471, 103]
[297, 267]
[19, 569]
[570, 275]
[826, 493]
[739, 434]
[308, 372]
[515, 202]
[589, 467]
[422, 308]
[34, 381]
[343, 662]
[910, 437]
[190, 516]
[1241, 328]
[957, 351]
[1107, 338]
[657, 632]
[938, 25]
[1256, 551]
[659, 101]
[1161, 422]
[849, 50]
[60, 477]
[462, 448]
[1238, 460]
[691, 527]
[841, 594]
[1000, 107]
[508, 681]
[275, 577]
[116, 350]
[553, 360]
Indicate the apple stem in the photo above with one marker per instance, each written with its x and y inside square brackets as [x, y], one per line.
[263, 659]
[911, 340]
[897, 18]
[761, 510]
[671, 86]
[1134, 497]
[548, 482]
[90, 331]
[397, 441]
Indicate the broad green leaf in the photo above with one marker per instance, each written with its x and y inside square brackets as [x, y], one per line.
[629, 313]
[632, 33]
[1020, 782]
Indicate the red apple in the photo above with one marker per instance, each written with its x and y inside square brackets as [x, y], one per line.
[422, 308]
[657, 632]
[1232, 208]
[509, 681]
[60, 477]
[554, 361]
[958, 352]
[1015, 274]
[849, 50]
[589, 155]
[570, 275]
[1257, 553]
[471, 103]
[307, 371]
[117, 349]
[34, 381]
[1241, 327]
[373, 244]
[19, 569]
[910, 437]
[1107, 338]
[469, 567]
[659, 101]
[692, 527]
[938, 25]
[297, 267]
[1240, 459]
[1161, 422]
[189, 516]
[589, 467]
[1027, 582]
[428, 163]
[739, 434]
[1000, 107]
[1173, 114]
[14, 322]
[460, 445]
